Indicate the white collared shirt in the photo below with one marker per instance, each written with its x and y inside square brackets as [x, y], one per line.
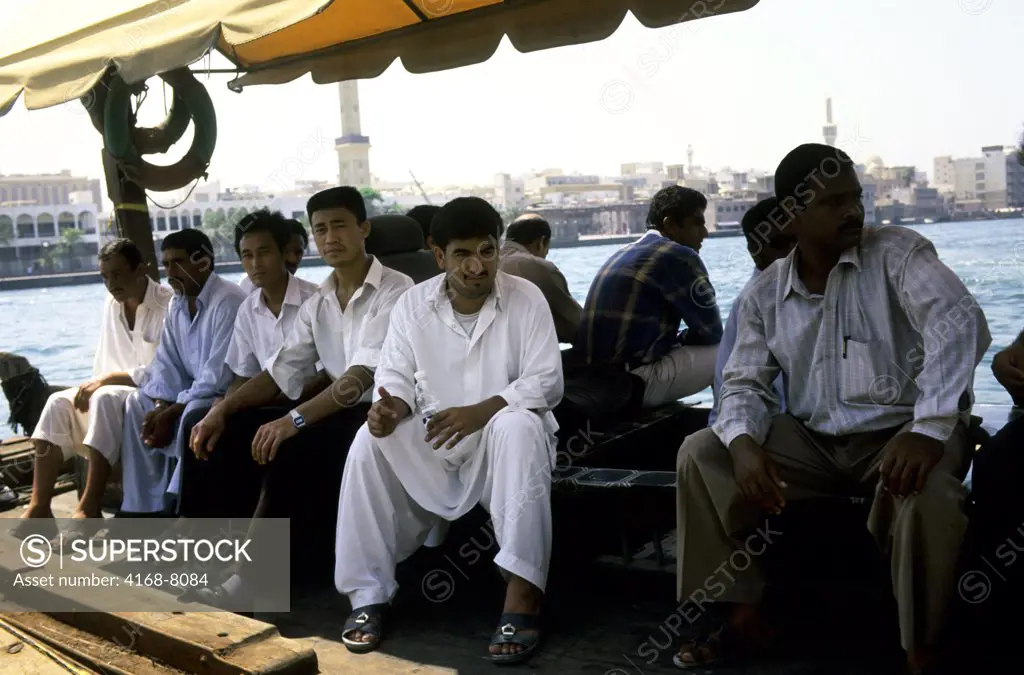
[512, 351]
[339, 339]
[130, 350]
[895, 338]
[258, 334]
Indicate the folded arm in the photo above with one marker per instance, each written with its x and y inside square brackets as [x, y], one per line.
[690, 292]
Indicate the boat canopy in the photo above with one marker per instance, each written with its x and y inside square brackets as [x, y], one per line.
[55, 51]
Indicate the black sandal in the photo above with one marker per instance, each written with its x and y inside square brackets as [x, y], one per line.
[724, 643]
[508, 634]
[368, 620]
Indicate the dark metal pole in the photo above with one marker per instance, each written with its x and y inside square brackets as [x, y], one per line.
[131, 213]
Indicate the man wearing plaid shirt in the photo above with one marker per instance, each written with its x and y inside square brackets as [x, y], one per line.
[645, 292]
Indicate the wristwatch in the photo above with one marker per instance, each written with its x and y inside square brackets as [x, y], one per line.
[297, 419]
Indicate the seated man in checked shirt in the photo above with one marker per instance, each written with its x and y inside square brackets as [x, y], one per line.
[877, 342]
[645, 292]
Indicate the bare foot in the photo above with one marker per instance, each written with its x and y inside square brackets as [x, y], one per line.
[81, 514]
[37, 511]
[522, 597]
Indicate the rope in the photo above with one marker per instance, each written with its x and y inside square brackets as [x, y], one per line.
[168, 208]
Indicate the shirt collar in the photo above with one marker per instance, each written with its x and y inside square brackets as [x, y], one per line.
[850, 256]
[510, 247]
[292, 296]
[440, 297]
[373, 277]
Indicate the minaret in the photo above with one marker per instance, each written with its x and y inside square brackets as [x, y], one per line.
[829, 131]
[352, 147]
[689, 159]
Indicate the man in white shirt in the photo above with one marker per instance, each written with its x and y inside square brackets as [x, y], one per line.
[342, 326]
[187, 373]
[88, 419]
[294, 251]
[266, 318]
[264, 322]
[477, 349]
[877, 341]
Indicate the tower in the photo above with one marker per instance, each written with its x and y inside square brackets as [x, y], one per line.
[352, 147]
[689, 159]
[829, 131]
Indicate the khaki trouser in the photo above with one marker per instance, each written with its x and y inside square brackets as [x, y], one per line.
[921, 534]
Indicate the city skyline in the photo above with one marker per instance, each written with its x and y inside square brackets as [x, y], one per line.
[901, 89]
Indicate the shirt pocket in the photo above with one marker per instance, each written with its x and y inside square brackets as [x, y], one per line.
[865, 374]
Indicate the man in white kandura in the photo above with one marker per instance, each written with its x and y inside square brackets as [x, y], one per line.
[479, 347]
[87, 419]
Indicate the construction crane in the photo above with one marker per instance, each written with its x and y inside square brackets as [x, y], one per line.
[422, 191]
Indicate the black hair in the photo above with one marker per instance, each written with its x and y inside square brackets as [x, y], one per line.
[192, 241]
[296, 227]
[263, 220]
[465, 218]
[343, 197]
[806, 168]
[676, 202]
[528, 230]
[765, 211]
[125, 248]
[424, 214]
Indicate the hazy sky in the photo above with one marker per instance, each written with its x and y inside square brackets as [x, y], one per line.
[909, 79]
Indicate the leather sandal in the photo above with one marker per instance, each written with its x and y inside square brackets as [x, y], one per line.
[508, 633]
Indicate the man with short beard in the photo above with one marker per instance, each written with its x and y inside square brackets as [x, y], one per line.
[449, 430]
[869, 411]
[88, 419]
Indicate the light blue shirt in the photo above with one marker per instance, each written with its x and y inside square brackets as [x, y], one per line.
[190, 363]
[725, 350]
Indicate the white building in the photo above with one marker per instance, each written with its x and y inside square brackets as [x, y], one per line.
[30, 235]
[991, 182]
[509, 193]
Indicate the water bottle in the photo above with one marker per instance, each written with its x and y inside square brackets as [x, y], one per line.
[425, 399]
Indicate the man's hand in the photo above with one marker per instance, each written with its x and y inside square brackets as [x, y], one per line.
[84, 394]
[1008, 367]
[385, 414]
[161, 424]
[206, 434]
[906, 461]
[269, 438]
[453, 424]
[757, 475]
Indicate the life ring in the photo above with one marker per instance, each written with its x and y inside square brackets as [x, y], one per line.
[147, 140]
[119, 133]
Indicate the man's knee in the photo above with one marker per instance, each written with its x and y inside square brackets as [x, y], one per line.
[699, 449]
[364, 450]
[519, 433]
[108, 400]
[941, 500]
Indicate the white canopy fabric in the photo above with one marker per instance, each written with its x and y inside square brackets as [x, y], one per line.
[54, 51]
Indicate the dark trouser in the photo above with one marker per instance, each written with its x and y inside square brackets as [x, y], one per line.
[991, 581]
[302, 483]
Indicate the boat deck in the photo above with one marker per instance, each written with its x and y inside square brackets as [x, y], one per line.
[617, 615]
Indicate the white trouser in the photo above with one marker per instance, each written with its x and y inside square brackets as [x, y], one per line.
[684, 371]
[147, 472]
[74, 432]
[379, 525]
